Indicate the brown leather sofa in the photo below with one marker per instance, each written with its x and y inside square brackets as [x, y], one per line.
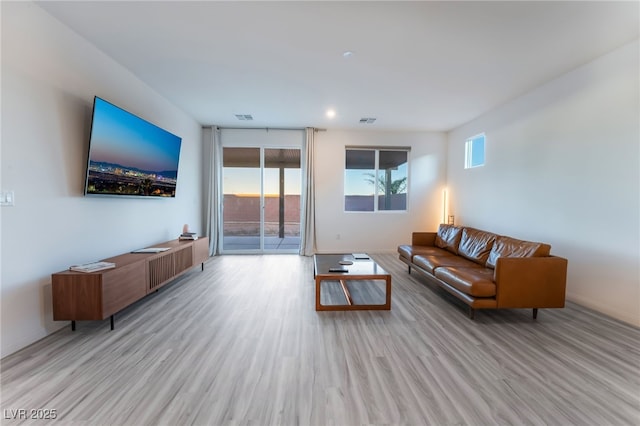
[488, 271]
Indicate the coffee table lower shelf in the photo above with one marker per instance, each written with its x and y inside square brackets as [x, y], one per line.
[350, 306]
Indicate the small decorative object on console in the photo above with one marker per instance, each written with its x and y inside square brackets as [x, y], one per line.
[186, 234]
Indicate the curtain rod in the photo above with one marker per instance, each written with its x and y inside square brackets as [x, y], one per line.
[265, 128]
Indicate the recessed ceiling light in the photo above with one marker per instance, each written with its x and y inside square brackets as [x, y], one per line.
[347, 54]
[331, 113]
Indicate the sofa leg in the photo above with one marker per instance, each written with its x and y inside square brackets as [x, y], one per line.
[472, 312]
[535, 313]
[409, 269]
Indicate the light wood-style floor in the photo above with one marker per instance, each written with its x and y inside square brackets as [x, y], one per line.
[241, 343]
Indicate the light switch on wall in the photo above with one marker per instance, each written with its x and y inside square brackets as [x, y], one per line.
[7, 198]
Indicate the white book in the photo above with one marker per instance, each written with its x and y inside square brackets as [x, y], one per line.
[151, 250]
[92, 267]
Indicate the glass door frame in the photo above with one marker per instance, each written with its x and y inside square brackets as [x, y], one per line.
[261, 249]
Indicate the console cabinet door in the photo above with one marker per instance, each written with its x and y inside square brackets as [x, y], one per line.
[200, 250]
[76, 296]
[123, 286]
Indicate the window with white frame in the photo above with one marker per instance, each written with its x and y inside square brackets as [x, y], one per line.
[376, 179]
[474, 151]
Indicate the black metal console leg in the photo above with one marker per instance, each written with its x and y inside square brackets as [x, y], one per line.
[112, 323]
[535, 313]
[73, 326]
[203, 266]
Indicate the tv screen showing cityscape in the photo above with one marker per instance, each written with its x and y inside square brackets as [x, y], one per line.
[129, 155]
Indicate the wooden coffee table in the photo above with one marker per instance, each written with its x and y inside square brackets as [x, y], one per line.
[359, 270]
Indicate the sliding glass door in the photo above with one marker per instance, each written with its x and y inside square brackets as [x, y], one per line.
[282, 181]
[241, 188]
[261, 202]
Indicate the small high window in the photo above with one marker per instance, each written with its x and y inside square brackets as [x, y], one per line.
[474, 152]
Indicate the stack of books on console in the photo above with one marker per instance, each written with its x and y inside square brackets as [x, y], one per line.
[188, 236]
[92, 267]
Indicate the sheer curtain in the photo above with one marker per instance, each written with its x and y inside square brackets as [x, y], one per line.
[308, 216]
[212, 172]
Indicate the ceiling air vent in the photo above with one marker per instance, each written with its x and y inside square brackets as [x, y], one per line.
[244, 117]
[367, 120]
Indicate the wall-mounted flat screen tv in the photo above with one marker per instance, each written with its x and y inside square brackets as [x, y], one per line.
[130, 156]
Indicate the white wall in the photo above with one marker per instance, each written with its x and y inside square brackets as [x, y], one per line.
[49, 78]
[340, 231]
[254, 138]
[562, 166]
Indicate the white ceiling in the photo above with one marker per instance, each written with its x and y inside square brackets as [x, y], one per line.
[415, 65]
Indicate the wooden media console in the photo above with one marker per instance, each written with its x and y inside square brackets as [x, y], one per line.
[79, 296]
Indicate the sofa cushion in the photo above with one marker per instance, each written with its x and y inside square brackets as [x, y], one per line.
[476, 281]
[408, 251]
[431, 262]
[510, 247]
[448, 237]
[476, 245]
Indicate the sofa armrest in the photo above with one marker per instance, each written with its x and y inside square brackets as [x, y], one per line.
[423, 239]
[530, 282]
